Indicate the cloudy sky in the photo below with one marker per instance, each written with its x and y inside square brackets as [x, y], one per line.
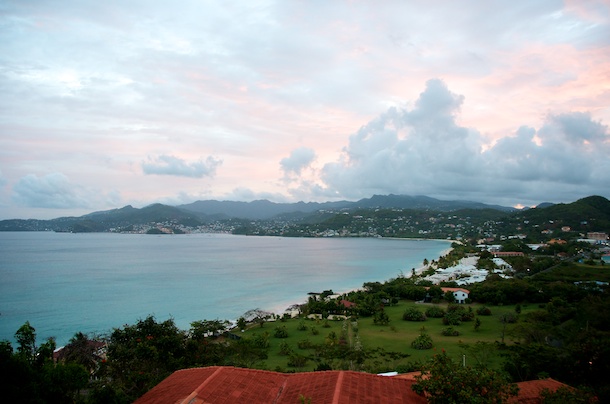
[109, 103]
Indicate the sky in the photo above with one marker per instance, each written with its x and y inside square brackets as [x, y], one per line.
[111, 103]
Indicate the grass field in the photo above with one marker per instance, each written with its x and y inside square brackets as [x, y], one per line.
[396, 336]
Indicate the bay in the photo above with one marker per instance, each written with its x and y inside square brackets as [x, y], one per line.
[63, 283]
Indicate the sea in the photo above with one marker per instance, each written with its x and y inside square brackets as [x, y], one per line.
[63, 283]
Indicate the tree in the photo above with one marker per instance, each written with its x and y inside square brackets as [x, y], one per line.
[445, 381]
[381, 317]
[26, 338]
[207, 328]
[449, 296]
[141, 355]
[477, 324]
[241, 323]
[82, 351]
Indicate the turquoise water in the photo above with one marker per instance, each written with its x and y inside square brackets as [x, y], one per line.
[63, 283]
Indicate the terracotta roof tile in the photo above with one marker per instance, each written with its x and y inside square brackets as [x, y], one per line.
[236, 385]
[218, 384]
[529, 392]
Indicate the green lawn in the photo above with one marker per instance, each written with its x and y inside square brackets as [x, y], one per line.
[396, 336]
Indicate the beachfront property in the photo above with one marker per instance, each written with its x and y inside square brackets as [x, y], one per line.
[466, 272]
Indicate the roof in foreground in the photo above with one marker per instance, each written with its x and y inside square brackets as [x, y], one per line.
[219, 384]
[223, 384]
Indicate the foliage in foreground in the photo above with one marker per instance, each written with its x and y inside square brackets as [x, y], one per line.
[445, 381]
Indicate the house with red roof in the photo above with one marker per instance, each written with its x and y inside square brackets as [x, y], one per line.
[222, 384]
[460, 294]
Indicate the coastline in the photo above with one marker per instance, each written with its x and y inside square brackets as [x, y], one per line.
[182, 278]
[281, 308]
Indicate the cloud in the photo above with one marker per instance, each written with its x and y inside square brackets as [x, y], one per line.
[171, 165]
[298, 160]
[406, 151]
[51, 191]
[425, 151]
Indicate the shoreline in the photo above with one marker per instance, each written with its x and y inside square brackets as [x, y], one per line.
[280, 309]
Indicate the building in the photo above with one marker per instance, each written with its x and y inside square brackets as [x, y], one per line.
[500, 254]
[460, 294]
[595, 235]
[236, 385]
[222, 384]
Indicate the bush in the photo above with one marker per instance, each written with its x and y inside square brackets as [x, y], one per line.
[450, 332]
[315, 331]
[452, 318]
[381, 318]
[423, 341]
[302, 326]
[435, 312]
[457, 313]
[285, 348]
[280, 332]
[484, 311]
[297, 361]
[304, 344]
[413, 314]
[509, 318]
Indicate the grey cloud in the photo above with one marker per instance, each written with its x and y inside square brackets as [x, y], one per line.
[408, 151]
[51, 191]
[171, 165]
[570, 150]
[424, 151]
[298, 160]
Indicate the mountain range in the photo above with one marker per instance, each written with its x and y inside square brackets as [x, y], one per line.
[202, 212]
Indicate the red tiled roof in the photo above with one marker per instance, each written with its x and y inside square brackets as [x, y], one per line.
[220, 384]
[347, 304]
[529, 392]
[455, 290]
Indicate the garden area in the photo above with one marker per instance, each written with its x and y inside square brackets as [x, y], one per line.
[396, 343]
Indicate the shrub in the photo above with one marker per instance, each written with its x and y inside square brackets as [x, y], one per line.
[381, 318]
[280, 332]
[297, 361]
[452, 318]
[304, 344]
[450, 332]
[413, 314]
[467, 315]
[302, 326]
[314, 331]
[435, 312]
[261, 340]
[509, 318]
[484, 311]
[284, 348]
[423, 341]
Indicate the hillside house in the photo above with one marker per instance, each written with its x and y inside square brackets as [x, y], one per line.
[460, 294]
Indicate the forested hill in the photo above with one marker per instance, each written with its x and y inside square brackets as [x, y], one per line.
[587, 214]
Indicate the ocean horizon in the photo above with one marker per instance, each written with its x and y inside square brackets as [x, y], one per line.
[63, 283]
